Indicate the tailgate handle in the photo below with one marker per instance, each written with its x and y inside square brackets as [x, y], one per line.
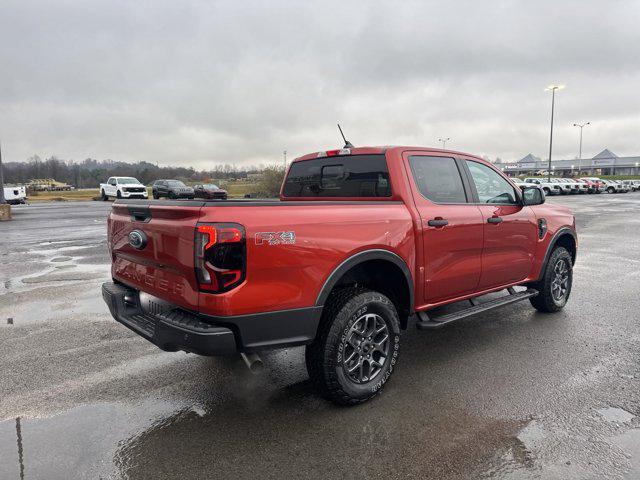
[140, 214]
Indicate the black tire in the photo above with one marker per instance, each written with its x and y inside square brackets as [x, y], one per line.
[611, 190]
[118, 194]
[546, 191]
[103, 196]
[156, 196]
[172, 196]
[339, 339]
[554, 289]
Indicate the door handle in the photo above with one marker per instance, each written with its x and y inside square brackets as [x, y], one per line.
[494, 220]
[438, 222]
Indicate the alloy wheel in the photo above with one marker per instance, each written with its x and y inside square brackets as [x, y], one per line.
[560, 282]
[366, 348]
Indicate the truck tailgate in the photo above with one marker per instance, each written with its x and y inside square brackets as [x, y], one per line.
[163, 265]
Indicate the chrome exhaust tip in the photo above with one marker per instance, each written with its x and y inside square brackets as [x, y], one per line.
[253, 362]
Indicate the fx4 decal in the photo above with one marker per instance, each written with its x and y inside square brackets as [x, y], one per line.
[275, 238]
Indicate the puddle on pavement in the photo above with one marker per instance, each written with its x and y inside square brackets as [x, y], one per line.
[533, 453]
[282, 433]
[613, 414]
[80, 443]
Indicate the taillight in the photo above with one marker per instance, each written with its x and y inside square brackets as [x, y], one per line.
[220, 256]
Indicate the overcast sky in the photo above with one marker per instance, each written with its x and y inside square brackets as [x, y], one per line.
[197, 82]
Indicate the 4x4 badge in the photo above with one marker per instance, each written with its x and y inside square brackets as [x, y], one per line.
[275, 238]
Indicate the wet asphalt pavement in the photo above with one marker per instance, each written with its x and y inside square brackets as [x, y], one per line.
[513, 394]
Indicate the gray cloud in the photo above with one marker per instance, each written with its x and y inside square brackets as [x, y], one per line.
[199, 82]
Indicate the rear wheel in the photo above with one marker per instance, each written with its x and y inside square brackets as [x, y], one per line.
[357, 346]
[555, 287]
[156, 196]
[546, 191]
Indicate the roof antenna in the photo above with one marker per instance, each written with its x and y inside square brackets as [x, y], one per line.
[347, 143]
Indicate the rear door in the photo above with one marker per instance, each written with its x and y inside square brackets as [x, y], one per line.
[163, 264]
[451, 226]
[510, 229]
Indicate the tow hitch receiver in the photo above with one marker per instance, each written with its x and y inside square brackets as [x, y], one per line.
[428, 323]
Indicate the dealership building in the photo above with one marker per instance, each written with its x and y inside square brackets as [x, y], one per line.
[604, 163]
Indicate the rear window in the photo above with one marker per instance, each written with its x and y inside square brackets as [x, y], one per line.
[346, 176]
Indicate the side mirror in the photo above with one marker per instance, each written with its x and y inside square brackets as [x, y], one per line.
[532, 195]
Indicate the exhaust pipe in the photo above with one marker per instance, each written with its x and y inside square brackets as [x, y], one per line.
[253, 362]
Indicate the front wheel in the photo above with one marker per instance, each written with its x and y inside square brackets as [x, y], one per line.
[103, 196]
[555, 286]
[546, 191]
[356, 349]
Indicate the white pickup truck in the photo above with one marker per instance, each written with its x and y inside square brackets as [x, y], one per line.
[549, 188]
[123, 187]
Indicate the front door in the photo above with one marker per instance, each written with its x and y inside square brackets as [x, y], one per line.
[510, 229]
[451, 226]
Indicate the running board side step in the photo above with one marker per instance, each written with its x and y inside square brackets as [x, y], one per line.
[427, 323]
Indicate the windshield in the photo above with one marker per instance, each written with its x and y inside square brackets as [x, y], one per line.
[127, 180]
[211, 186]
[175, 183]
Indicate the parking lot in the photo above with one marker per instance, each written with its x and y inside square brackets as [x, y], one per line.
[512, 394]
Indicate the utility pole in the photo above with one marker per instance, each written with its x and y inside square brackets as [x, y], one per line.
[2, 199]
[553, 89]
[444, 142]
[285, 159]
[580, 148]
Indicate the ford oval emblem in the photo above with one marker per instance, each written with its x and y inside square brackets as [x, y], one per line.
[138, 239]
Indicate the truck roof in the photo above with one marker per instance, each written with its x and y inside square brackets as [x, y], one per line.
[372, 150]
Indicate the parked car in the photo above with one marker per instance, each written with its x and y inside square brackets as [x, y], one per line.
[549, 188]
[630, 185]
[582, 187]
[595, 186]
[209, 190]
[567, 187]
[123, 187]
[360, 240]
[624, 188]
[612, 187]
[171, 189]
[636, 184]
[15, 195]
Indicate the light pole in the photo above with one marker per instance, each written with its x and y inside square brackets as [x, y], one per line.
[284, 154]
[581, 125]
[444, 142]
[553, 89]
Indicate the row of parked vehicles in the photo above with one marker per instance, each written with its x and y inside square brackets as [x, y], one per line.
[130, 187]
[566, 186]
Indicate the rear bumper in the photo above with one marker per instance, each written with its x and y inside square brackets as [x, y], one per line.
[178, 329]
[170, 331]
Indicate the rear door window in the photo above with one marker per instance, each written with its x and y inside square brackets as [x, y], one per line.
[341, 176]
[438, 178]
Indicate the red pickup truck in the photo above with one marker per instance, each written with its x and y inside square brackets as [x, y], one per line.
[361, 242]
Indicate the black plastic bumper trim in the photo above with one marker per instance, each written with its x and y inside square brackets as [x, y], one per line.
[171, 331]
[213, 335]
